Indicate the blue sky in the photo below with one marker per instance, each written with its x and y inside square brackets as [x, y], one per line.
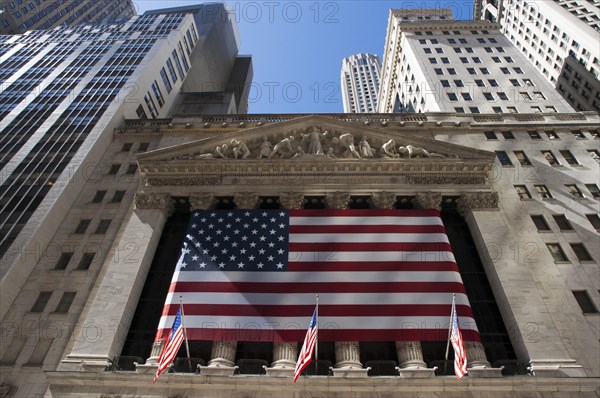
[298, 46]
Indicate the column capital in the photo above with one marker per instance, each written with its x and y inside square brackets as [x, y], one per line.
[428, 200]
[291, 200]
[337, 200]
[383, 200]
[477, 200]
[202, 200]
[154, 201]
[245, 200]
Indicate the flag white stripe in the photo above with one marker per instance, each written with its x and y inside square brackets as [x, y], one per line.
[368, 238]
[325, 322]
[309, 298]
[314, 277]
[365, 220]
[370, 257]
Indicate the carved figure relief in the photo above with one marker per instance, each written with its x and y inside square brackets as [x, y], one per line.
[283, 148]
[313, 141]
[345, 146]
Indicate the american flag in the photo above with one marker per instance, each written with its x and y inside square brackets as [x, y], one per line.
[460, 354]
[308, 347]
[171, 345]
[381, 275]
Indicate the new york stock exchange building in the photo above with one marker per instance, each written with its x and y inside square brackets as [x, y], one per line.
[243, 220]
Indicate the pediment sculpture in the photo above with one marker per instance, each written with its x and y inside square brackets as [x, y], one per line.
[312, 143]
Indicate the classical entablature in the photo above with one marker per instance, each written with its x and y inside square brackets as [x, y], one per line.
[315, 151]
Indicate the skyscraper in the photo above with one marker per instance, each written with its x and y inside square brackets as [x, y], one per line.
[64, 92]
[18, 16]
[433, 63]
[559, 37]
[360, 83]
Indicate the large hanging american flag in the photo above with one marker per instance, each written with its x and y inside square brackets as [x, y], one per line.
[381, 275]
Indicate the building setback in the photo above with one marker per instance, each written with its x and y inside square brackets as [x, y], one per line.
[360, 83]
[64, 92]
[432, 63]
[559, 37]
[19, 16]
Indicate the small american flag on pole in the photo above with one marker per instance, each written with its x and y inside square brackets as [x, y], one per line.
[172, 345]
[460, 354]
[308, 347]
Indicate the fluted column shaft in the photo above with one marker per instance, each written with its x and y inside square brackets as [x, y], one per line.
[476, 355]
[223, 353]
[347, 354]
[410, 354]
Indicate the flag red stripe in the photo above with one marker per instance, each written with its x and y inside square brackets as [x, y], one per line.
[279, 335]
[320, 213]
[369, 247]
[364, 229]
[322, 287]
[324, 310]
[395, 266]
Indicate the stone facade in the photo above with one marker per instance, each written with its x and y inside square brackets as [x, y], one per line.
[451, 160]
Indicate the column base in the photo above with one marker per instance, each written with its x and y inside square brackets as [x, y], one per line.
[217, 370]
[556, 368]
[95, 366]
[280, 372]
[417, 372]
[350, 373]
[147, 368]
[485, 372]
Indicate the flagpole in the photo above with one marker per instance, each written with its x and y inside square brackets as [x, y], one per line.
[187, 345]
[317, 339]
[449, 332]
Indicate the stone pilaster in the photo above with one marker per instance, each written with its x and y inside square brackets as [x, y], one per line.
[477, 201]
[291, 200]
[428, 200]
[100, 335]
[201, 201]
[337, 200]
[245, 200]
[383, 200]
[157, 347]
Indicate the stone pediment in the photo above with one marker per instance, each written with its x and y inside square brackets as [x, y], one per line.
[313, 144]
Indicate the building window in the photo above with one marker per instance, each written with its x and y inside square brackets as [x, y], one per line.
[102, 227]
[98, 197]
[459, 83]
[497, 109]
[506, 71]
[550, 158]
[432, 61]
[522, 192]
[41, 301]
[569, 157]
[490, 135]
[488, 96]
[452, 97]
[493, 82]
[480, 83]
[427, 50]
[503, 158]
[502, 96]
[451, 71]
[585, 302]
[114, 169]
[581, 252]
[165, 79]
[534, 135]
[126, 147]
[574, 190]
[557, 252]
[562, 222]
[552, 135]
[459, 109]
[593, 188]
[578, 135]
[594, 219]
[141, 113]
[65, 303]
[484, 71]
[474, 109]
[515, 83]
[540, 223]
[445, 83]
[117, 197]
[171, 70]
[466, 96]
[543, 191]
[471, 71]
[439, 71]
[522, 158]
[508, 135]
[595, 155]
[131, 169]
[143, 146]
[86, 261]
[82, 226]
[157, 93]
[63, 261]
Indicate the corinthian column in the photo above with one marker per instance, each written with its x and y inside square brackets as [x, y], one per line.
[201, 201]
[286, 353]
[245, 200]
